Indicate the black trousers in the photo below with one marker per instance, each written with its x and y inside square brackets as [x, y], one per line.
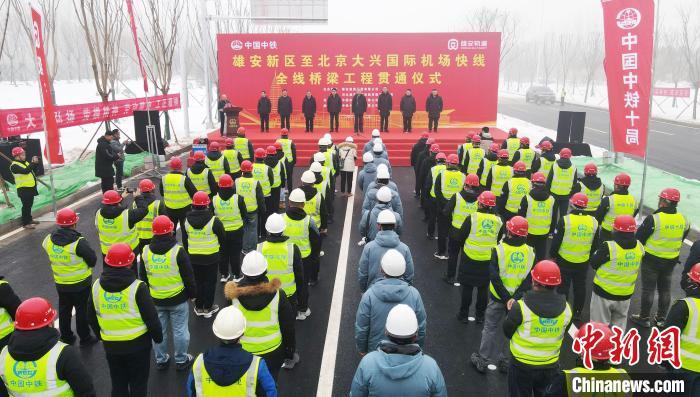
[443, 227]
[107, 183]
[432, 215]
[482, 298]
[230, 263]
[222, 127]
[66, 302]
[309, 123]
[27, 199]
[177, 216]
[118, 173]
[284, 121]
[335, 118]
[407, 122]
[265, 122]
[433, 123]
[561, 207]
[311, 267]
[129, 373]
[655, 279]
[529, 381]
[346, 181]
[274, 360]
[359, 122]
[454, 247]
[539, 244]
[205, 278]
[384, 122]
[575, 279]
[274, 203]
[290, 175]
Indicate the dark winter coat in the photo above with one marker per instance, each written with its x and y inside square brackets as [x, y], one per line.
[159, 245]
[415, 151]
[221, 105]
[408, 105]
[359, 104]
[264, 106]
[334, 103]
[433, 105]
[284, 105]
[8, 301]
[104, 158]
[308, 106]
[385, 103]
[65, 236]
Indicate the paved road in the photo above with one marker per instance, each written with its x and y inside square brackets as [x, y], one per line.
[671, 145]
[448, 341]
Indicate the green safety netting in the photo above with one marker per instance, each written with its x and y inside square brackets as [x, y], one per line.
[657, 180]
[67, 180]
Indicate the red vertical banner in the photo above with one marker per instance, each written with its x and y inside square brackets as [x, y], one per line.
[53, 136]
[629, 47]
[130, 9]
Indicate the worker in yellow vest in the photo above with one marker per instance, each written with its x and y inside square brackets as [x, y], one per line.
[471, 156]
[619, 202]
[302, 230]
[116, 223]
[227, 369]
[327, 176]
[525, 154]
[464, 147]
[489, 160]
[457, 210]
[231, 210]
[592, 186]
[290, 155]
[279, 177]
[284, 263]
[8, 306]
[480, 233]
[616, 264]
[217, 163]
[243, 145]
[662, 234]
[575, 240]
[233, 157]
[268, 313]
[511, 261]
[547, 158]
[265, 177]
[25, 183]
[427, 161]
[561, 181]
[512, 143]
[513, 192]
[205, 235]
[248, 187]
[535, 349]
[201, 176]
[148, 200]
[684, 314]
[499, 174]
[71, 259]
[447, 183]
[177, 190]
[538, 208]
[315, 205]
[121, 311]
[429, 192]
[49, 368]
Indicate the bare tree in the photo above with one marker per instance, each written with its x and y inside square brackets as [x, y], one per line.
[567, 49]
[592, 58]
[4, 22]
[488, 19]
[690, 47]
[546, 59]
[667, 60]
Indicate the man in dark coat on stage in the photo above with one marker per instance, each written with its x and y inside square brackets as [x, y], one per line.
[308, 107]
[334, 104]
[264, 109]
[284, 108]
[384, 104]
[407, 107]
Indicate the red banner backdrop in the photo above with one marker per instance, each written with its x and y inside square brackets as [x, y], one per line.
[462, 66]
[24, 121]
[629, 43]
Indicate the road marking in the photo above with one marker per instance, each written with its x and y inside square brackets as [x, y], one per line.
[330, 347]
[596, 130]
[662, 132]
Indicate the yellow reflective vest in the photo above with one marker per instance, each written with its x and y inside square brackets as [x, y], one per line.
[667, 239]
[619, 204]
[34, 378]
[537, 340]
[115, 230]
[514, 264]
[66, 265]
[483, 236]
[174, 193]
[500, 174]
[690, 337]
[579, 232]
[118, 313]
[262, 334]
[205, 386]
[618, 275]
[23, 180]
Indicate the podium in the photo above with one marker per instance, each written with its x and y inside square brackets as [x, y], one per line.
[231, 113]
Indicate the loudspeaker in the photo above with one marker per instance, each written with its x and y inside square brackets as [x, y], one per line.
[32, 147]
[570, 127]
[140, 123]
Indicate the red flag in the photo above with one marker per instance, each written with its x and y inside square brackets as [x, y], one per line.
[130, 8]
[53, 136]
[629, 47]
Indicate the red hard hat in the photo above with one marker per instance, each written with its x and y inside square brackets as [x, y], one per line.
[625, 223]
[229, 142]
[278, 146]
[476, 138]
[424, 135]
[494, 148]
[519, 166]
[225, 180]
[471, 180]
[34, 313]
[468, 137]
[517, 225]
[538, 177]
[200, 199]
[601, 350]
[503, 153]
[525, 141]
[671, 194]
[430, 141]
[513, 132]
[162, 225]
[246, 166]
[66, 217]
[271, 150]
[546, 272]
[146, 185]
[565, 153]
[241, 130]
[590, 169]
[487, 198]
[175, 163]
[547, 145]
[120, 255]
[623, 179]
[16, 151]
[452, 159]
[580, 200]
[434, 148]
[111, 197]
[199, 156]
[259, 153]
[284, 131]
[214, 147]
[440, 156]
[694, 273]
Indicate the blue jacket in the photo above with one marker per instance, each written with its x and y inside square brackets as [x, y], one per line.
[374, 307]
[394, 370]
[391, 186]
[381, 159]
[368, 222]
[370, 144]
[226, 364]
[372, 253]
[367, 175]
[370, 200]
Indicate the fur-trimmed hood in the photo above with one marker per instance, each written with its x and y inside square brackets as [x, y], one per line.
[344, 144]
[252, 295]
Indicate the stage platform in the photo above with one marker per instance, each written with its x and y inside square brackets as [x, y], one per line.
[398, 144]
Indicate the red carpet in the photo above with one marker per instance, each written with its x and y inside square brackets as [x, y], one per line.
[398, 144]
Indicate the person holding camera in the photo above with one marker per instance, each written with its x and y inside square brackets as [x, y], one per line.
[25, 182]
[347, 154]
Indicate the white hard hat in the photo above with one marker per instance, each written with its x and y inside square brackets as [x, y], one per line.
[384, 194]
[383, 172]
[254, 264]
[401, 321]
[316, 167]
[328, 136]
[377, 141]
[377, 148]
[368, 157]
[349, 139]
[275, 224]
[375, 132]
[308, 177]
[297, 196]
[320, 141]
[393, 263]
[386, 217]
[229, 323]
[325, 141]
[320, 157]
